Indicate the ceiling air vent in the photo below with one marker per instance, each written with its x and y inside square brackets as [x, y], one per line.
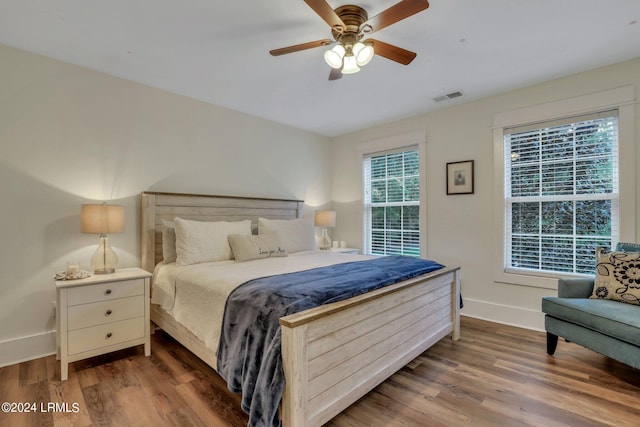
[448, 96]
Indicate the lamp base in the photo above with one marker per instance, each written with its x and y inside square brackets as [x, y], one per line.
[325, 243]
[105, 260]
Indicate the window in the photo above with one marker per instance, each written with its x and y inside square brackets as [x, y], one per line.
[561, 195]
[392, 202]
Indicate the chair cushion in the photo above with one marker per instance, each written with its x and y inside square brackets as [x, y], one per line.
[618, 320]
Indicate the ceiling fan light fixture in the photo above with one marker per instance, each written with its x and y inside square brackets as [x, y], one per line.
[334, 56]
[363, 53]
[350, 65]
[350, 24]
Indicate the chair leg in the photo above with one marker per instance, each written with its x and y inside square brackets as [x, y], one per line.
[552, 343]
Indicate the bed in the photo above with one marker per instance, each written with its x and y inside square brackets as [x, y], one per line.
[325, 367]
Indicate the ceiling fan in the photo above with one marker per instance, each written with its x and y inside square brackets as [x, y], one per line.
[349, 25]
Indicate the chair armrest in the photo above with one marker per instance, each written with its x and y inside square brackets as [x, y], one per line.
[575, 287]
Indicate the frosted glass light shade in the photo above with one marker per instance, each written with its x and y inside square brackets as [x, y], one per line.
[334, 56]
[350, 65]
[363, 53]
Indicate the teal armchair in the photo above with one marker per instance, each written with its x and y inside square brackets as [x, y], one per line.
[608, 327]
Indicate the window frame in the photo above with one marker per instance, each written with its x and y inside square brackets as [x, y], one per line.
[622, 99]
[370, 205]
[523, 137]
[396, 143]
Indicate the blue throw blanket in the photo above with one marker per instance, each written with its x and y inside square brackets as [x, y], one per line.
[249, 356]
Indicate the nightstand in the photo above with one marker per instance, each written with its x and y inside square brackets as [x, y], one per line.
[100, 314]
[345, 250]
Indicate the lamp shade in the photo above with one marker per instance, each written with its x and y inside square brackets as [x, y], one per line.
[325, 219]
[334, 56]
[363, 53]
[102, 219]
[350, 65]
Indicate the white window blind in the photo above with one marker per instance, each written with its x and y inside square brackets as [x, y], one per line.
[561, 193]
[392, 202]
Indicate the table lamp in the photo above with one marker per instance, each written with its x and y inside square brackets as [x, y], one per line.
[325, 219]
[103, 219]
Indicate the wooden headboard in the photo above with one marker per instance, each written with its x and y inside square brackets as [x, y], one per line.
[159, 206]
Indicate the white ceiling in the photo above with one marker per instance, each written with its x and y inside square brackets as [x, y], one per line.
[217, 51]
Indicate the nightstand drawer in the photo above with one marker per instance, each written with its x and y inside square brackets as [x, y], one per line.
[98, 313]
[105, 291]
[95, 337]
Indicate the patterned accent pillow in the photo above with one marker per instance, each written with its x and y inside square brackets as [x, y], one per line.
[617, 276]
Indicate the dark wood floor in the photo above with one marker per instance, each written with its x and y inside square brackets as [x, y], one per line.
[495, 375]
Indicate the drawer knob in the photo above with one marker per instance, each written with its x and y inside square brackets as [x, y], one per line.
[108, 292]
[108, 312]
[109, 335]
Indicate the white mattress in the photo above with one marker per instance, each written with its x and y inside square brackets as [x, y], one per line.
[195, 295]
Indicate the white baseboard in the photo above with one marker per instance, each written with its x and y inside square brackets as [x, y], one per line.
[27, 348]
[44, 344]
[505, 314]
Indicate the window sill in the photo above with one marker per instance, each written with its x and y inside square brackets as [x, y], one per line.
[532, 279]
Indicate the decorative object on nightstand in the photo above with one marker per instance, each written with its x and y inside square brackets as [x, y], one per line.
[103, 219]
[325, 219]
[73, 272]
[101, 314]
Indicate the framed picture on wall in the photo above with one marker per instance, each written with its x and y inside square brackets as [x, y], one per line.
[460, 177]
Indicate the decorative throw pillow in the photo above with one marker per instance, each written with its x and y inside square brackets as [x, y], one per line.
[295, 235]
[168, 241]
[246, 248]
[617, 276]
[200, 241]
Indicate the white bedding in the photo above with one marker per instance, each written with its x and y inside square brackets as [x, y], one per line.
[195, 295]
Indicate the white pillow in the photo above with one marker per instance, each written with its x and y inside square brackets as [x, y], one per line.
[295, 235]
[246, 248]
[200, 241]
[168, 241]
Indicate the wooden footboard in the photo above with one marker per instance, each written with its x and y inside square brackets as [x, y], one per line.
[334, 354]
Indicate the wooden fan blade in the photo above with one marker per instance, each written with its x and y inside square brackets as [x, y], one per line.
[335, 74]
[299, 47]
[322, 8]
[392, 52]
[395, 13]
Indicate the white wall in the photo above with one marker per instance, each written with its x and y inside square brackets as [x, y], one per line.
[70, 136]
[460, 228]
